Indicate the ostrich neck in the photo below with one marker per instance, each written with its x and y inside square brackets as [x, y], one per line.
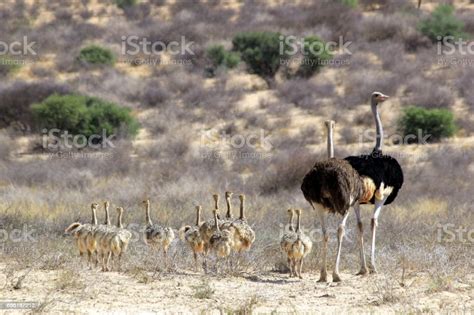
[107, 217]
[298, 223]
[378, 125]
[198, 217]
[94, 217]
[119, 220]
[148, 218]
[216, 225]
[330, 142]
[242, 210]
[229, 208]
[290, 223]
[216, 203]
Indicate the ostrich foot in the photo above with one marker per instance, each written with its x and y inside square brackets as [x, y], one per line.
[362, 272]
[336, 277]
[323, 277]
[372, 269]
[300, 276]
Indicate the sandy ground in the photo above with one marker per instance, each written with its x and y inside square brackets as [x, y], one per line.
[84, 291]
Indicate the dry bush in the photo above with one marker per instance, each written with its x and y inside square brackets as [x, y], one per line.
[6, 146]
[304, 93]
[16, 98]
[468, 19]
[381, 27]
[286, 171]
[111, 85]
[154, 94]
[362, 83]
[464, 84]
[424, 93]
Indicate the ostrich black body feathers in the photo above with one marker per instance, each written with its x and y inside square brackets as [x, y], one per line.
[334, 184]
[380, 168]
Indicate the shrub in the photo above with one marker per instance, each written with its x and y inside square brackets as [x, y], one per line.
[438, 123]
[220, 57]
[261, 51]
[96, 55]
[122, 4]
[350, 3]
[428, 94]
[377, 28]
[84, 115]
[442, 23]
[315, 56]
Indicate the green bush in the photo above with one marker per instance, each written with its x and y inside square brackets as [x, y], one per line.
[315, 55]
[261, 51]
[220, 57]
[83, 115]
[96, 55]
[350, 3]
[442, 23]
[438, 123]
[122, 4]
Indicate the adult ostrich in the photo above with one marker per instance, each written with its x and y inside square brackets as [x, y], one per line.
[385, 180]
[332, 186]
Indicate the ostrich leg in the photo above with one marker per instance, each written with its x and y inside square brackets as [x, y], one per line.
[374, 222]
[363, 265]
[340, 238]
[324, 248]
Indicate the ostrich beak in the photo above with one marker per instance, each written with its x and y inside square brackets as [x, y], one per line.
[383, 97]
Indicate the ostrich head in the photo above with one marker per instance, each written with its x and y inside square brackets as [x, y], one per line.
[228, 194]
[291, 214]
[378, 97]
[330, 123]
[146, 202]
[94, 206]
